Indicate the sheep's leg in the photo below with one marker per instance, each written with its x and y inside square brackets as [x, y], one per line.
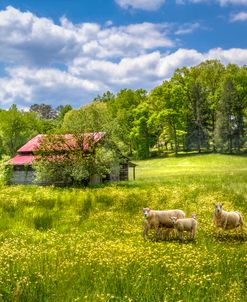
[217, 230]
[172, 233]
[157, 231]
[181, 235]
[224, 227]
[145, 229]
[242, 229]
[241, 226]
[169, 233]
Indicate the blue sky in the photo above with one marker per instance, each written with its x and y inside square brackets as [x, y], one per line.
[69, 51]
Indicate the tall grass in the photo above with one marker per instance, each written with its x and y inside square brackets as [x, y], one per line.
[71, 244]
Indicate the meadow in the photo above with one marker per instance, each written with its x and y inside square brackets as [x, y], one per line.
[86, 244]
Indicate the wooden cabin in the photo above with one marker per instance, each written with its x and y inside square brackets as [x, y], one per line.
[24, 173]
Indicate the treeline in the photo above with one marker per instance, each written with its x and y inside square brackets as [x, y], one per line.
[202, 108]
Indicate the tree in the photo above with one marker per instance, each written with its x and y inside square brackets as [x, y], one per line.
[106, 97]
[44, 111]
[167, 119]
[16, 127]
[210, 77]
[199, 116]
[238, 76]
[89, 118]
[122, 110]
[140, 134]
[225, 119]
[74, 159]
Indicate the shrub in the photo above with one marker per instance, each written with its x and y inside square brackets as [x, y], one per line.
[6, 171]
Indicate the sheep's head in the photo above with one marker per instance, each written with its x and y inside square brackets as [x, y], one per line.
[173, 219]
[146, 212]
[193, 216]
[218, 208]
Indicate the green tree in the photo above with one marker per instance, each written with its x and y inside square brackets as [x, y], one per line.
[73, 159]
[225, 119]
[16, 127]
[211, 75]
[238, 76]
[167, 119]
[122, 110]
[140, 134]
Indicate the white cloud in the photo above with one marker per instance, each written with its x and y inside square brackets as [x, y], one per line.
[87, 78]
[26, 86]
[187, 29]
[38, 41]
[149, 5]
[232, 2]
[241, 16]
[234, 55]
[72, 63]
[129, 72]
[221, 2]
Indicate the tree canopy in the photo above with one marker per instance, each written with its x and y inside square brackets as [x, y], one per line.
[200, 108]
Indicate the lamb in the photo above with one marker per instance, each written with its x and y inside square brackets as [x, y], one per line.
[185, 224]
[156, 220]
[227, 220]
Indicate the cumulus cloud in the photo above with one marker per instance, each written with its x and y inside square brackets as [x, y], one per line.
[87, 78]
[39, 41]
[26, 86]
[149, 5]
[234, 55]
[72, 63]
[241, 16]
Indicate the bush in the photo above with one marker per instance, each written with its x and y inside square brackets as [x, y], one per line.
[6, 171]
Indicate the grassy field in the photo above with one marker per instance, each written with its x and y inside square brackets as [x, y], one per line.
[72, 244]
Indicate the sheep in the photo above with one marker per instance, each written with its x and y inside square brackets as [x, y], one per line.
[185, 224]
[227, 220]
[154, 219]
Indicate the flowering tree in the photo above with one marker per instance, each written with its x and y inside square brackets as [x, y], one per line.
[70, 159]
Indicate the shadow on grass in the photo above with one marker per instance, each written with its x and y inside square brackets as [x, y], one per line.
[230, 238]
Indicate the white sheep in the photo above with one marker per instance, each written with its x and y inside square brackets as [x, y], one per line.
[156, 220]
[227, 220]
[185, 224]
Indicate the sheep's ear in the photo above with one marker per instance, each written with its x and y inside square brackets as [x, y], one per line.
[222, 204]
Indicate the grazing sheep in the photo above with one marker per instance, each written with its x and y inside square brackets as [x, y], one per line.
[159, 219]
[227, 220]
[185, 224]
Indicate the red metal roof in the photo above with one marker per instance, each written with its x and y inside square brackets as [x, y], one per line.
[31, 145]
[64, 143]
[22, 160]
[68, 142]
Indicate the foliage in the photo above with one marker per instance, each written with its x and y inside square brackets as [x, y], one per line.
[15, 128]
[44, 111]
[6, 171]
[193, 110]
[68, 162]
[71, 244]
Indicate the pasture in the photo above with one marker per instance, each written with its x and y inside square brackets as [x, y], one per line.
[85, 244]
